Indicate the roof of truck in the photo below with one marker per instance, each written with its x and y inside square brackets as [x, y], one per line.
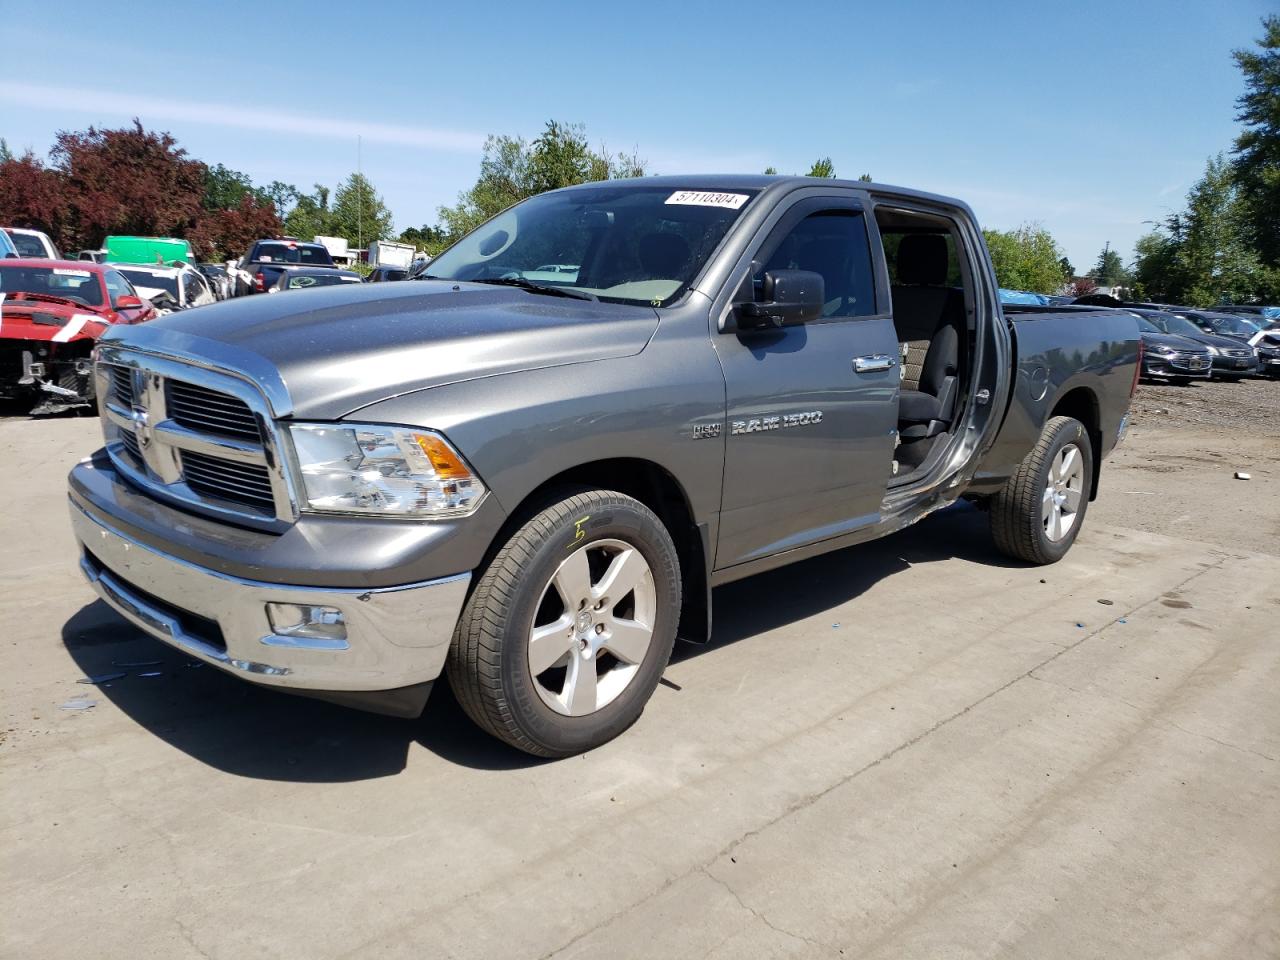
[764, 181]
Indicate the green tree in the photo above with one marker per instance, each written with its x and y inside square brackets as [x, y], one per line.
[770, 171]
[1109, 271]
[358, 212]
[5, 153]
[1027, 258]
[823, 168]
[428, 238]
[1256, 162]
[225, 188]
[310, 215]
[1068, 271]
[512, 169]
[864, 178]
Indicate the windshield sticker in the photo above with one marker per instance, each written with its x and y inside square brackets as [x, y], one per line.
[63, 272]
[701, 198]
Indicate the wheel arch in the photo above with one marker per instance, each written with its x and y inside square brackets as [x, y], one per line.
[1082, 404]
[659, 490]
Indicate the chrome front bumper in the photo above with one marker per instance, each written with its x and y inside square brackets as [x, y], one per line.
[396, 637]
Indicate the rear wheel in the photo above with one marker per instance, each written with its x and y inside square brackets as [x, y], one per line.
[1040, 510]
[570, 626]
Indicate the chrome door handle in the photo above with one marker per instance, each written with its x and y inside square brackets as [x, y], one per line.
[872, 363]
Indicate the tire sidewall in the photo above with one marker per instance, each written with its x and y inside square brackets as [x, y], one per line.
[613, 520]
[1069, 432]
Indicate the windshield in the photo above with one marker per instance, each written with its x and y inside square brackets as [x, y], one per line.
[152, 281]
[1176, 324]
[316, 256]
[1146, 326]
[1233, 325]
[82, 286]
[28, 245]
[632, 244]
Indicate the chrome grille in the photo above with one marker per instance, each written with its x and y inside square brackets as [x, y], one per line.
[122, 385]
[1238, 353]
[199, 408]
[197, 438]
[248, 483]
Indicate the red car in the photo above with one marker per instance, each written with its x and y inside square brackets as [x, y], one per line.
[51, 314]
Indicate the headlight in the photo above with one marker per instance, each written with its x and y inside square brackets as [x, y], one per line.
[1213, 351]
[391, 471]
[1165, 349]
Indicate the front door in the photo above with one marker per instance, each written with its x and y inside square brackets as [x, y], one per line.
[812, 409]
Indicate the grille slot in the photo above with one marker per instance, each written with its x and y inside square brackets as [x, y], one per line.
[131, 445]
[211, 411]
[247, 483]
[122, 385]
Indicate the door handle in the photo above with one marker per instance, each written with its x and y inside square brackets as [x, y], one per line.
[872, 363]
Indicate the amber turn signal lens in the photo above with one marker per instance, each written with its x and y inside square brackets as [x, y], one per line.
[444, 461]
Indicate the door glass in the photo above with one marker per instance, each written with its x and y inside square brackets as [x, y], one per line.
[832, 243]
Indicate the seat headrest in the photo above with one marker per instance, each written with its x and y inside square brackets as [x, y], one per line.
[922, 259]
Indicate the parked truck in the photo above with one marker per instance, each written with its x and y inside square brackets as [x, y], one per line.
[389, 253]
[532, 486]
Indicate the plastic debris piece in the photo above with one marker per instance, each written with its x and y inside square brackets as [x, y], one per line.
[1122, 620]
[1105, 602]
[136, 663]
[78, 704]
[1081, 625]
[1241, 475]
[102, 678]
[152, 673]
[834, 625]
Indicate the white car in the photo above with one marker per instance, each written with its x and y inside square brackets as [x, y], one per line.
[33, 243]
[179, 287]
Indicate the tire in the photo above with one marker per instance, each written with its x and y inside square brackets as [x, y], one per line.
[517, 618]
[1021, 514]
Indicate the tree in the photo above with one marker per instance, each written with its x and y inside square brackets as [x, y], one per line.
[864, 178]
[1256, 162]
[5, 153]
[125, 181]
[770, 171]
[31, 195]
[221, 234]
[1081, 287]
[428, 238]
[310, 215]
[1068, 271]
[224, 188]
[823, 168]
[358, 212]
[1026, 258]
[512, 169]
[1109, 271]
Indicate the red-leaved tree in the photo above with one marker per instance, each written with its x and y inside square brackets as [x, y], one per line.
[1082, 287]
[128, 181]
[220, 234]
[31, 195]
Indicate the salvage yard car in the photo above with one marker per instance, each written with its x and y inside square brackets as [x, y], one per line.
[1229, 359]
[51, 314]
[266, 260]
[177, 287]
[307, 278]
[1169, 357]
[32, 243]
[533, 486]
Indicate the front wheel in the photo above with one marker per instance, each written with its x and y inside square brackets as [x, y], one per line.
[1040, 510]
[570, 626]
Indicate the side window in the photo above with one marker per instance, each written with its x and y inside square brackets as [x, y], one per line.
[190, 288]
[117, 286]
[832, 243]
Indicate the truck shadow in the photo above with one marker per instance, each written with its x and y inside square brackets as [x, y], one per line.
[249, 731]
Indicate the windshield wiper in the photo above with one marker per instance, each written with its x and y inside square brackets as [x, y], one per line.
[544, 288]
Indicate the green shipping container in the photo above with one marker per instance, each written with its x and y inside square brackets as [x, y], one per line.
[151, 250]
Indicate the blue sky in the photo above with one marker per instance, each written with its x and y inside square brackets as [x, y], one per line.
[1090, 117]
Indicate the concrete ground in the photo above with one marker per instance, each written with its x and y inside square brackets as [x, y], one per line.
[913, 748]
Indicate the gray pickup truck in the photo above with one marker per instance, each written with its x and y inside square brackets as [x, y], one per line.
[529, 468]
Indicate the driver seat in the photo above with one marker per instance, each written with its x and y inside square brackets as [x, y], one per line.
[927, 311]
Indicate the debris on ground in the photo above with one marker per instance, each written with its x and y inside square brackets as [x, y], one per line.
[1105, 602]
[79, 703]
[102, 678]
[1241, 475]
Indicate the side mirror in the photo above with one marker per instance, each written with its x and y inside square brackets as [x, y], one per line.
[127, 302]
[790, 298]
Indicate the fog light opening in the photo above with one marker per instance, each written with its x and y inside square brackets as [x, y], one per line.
[307, 620]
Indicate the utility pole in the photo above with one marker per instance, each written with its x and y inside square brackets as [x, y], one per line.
[359, 199]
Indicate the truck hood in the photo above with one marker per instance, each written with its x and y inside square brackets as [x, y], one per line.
[333, 350]
[1213, 340]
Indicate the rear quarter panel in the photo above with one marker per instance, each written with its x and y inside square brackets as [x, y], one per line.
[1057, 352]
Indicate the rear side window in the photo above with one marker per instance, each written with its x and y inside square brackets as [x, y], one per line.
[832, 243]
[891, 243]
